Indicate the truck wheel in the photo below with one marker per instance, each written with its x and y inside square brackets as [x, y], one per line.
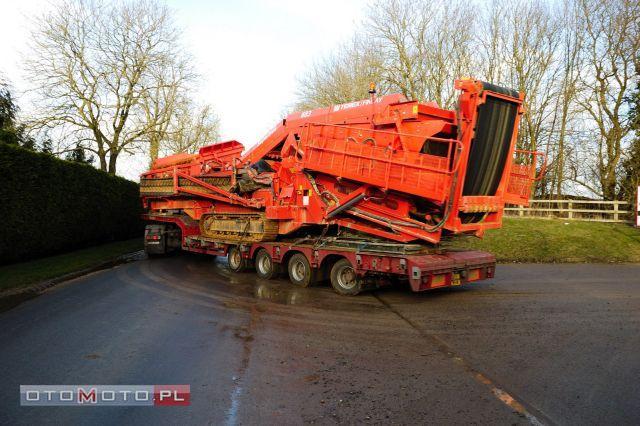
[265, 267]
[300, 271]
[237, 263]
[344, 279]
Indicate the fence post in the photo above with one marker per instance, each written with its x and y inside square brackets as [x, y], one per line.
[636, 210]
[521, 211]
[570, 208]
[615, 211]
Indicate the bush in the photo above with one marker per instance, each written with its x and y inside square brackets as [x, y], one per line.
[49, 206]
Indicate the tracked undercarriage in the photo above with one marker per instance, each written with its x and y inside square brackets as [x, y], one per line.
[238, 227]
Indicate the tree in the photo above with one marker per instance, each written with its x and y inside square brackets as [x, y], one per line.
[11, 131]
[8, 112]
[568, 75]
[533, 46]
[631, 164]
[193, 127]
[573, 59]
[416, 48]
[611, 48]
[518, 51]
[163, 102]
[79, 155]
[47, 145]
[343, 76]
[426, 45]
[95, 66]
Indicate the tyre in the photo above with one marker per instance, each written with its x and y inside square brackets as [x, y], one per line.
[344, 279]
[300, 271]
[265, 267]
[237, 263]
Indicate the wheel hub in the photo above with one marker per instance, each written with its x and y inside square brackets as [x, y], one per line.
[264, 265]
[298, 271]
[347, 277]
[234, 259]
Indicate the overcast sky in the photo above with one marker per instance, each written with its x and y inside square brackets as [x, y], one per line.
[249, 53]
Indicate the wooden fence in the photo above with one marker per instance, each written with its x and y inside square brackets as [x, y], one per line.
[590, 210]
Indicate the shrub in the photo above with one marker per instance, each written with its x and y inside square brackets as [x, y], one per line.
[49, 206]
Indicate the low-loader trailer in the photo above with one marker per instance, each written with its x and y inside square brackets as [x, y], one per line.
[357, 194]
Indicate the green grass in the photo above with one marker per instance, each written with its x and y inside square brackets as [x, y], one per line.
[27, 273]
[557, 240]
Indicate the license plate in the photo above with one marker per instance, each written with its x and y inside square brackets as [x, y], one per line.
[455, 279]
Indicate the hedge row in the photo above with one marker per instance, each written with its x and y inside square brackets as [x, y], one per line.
[49, 206]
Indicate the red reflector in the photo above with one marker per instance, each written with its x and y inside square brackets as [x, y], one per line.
[474, 275]
[438, 280]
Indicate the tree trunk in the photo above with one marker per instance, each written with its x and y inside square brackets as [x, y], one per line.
[608, 182]
[154, 149]
[102, 156]
[112, 162]
[560, 158]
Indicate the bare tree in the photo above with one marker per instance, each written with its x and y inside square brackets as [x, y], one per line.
[491, 43]
[565, 109]
[164, 101]
[573, 59]
[193, 126]
[518, 51]
[415, 47]
[342, 76]
[426, 45]
[611, 48]
[95, 66]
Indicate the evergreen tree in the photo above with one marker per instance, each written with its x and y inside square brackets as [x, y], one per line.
[10, 131]
[631, 165]
[8, 111]
[78, 155]
[47, 146]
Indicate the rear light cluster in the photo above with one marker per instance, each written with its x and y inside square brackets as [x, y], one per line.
[153, 237]
[454, 278]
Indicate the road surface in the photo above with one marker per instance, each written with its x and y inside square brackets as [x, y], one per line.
[550, 344]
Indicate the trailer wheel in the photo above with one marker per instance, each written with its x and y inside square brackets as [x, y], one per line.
[265, 267]
[237, 263]
[344, 279]
[300, 271]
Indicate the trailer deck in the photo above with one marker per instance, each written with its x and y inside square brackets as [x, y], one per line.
[374, 263]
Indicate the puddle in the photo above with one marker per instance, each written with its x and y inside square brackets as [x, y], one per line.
[211, 275]
[278, 294]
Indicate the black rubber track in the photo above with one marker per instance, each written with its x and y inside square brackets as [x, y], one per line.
[490, 146]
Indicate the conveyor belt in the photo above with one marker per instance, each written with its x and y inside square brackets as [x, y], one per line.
[490, 146]
[164, 186]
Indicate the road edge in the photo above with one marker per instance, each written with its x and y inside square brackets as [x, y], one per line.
[13, 297]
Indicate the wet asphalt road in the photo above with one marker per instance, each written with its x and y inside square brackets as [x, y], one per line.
[540, 343]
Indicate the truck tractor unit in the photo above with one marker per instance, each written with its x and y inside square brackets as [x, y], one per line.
[358, 194]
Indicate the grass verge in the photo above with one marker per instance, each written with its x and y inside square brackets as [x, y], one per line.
[27, 273]
[557, 241]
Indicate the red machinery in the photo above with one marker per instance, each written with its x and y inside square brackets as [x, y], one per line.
[383, 175]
